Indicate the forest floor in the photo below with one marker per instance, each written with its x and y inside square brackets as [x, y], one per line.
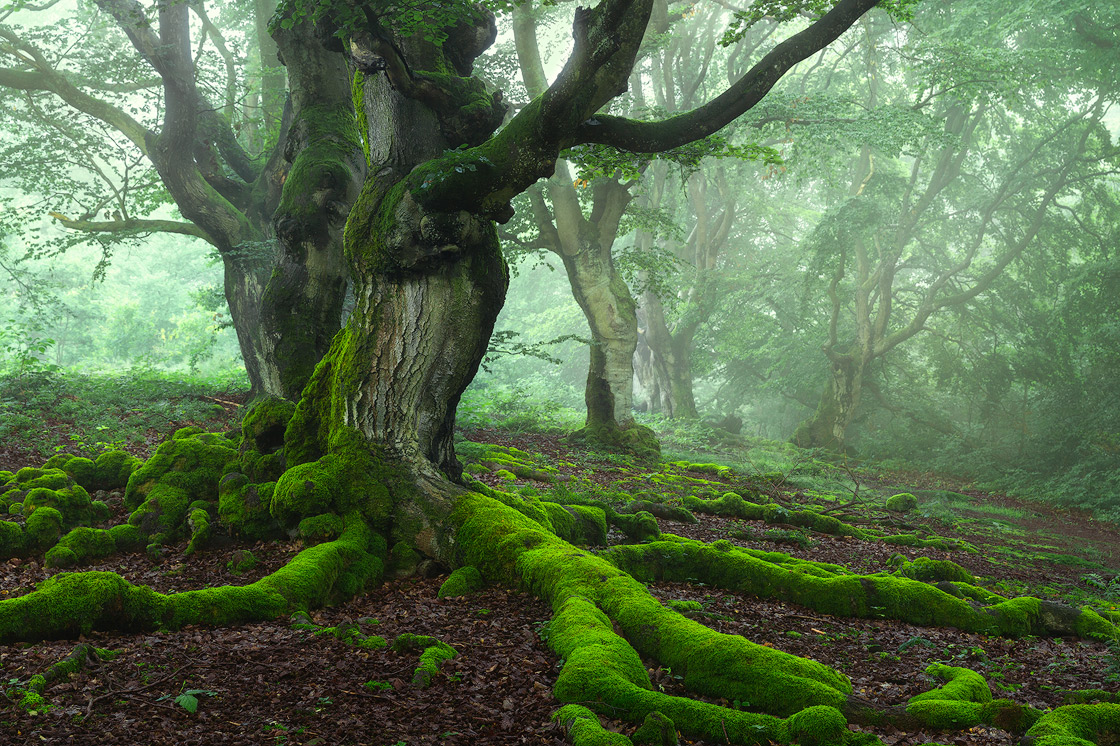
[281, 683]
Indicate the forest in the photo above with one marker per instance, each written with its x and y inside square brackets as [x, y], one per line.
[523, 372]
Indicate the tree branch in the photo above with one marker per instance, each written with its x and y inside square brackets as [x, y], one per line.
[649, 137]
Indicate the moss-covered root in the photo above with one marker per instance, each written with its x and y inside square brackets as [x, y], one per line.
[1076, 725]
[462, 582]
[837, 592]
[70, 604]
[733, 505]
[30, 693]
[433, 652]
[602, 667]
[583, 728]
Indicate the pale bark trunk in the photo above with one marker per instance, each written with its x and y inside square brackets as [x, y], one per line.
[612, 317]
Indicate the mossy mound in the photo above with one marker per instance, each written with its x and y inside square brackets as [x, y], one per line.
[903, 502]
[84, 544]
[261, 454]
[183, 470]
[110, 471]
[463, 581]
[71, 502]
[244, 507]
[637, 440]
[1076, 725]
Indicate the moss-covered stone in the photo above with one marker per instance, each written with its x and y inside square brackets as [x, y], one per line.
[462, 582]
[192, 463]
[80, 545]
[903, 502]
[113, 470]
[244, 507]
[656, 730]
[817, 726]
[43, 529]
[11, 540]
[71, 501]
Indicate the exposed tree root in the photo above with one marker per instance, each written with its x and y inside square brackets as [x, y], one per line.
[832, 590]
[69, 604]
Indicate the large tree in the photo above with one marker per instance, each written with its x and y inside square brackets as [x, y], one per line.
[368, 448]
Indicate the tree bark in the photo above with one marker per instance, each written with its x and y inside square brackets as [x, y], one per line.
[828, 426]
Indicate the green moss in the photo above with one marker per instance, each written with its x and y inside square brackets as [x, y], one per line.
[682, 606]
[127, 538]
[834, 591]
[11, 540]
[584, 729]
[242, 561]
[163, 512]
[640, 526]
[733, 505]
[339, 482]
[244, 507]
[70, 604]
[936, 542]
[261, 454]
[656, 730]
[433, 653]
[963, 685]
[931, 570]
[320, 528]
[80, 545]
[113, 469]
[30, 478]
[191, 462]
[1077, 725]
[15, 509]
[902, 503]
[818, 726]
[462, 582]
[72, 502]
[83, 471]
[43, 529]
[603, 667]
[199, 523]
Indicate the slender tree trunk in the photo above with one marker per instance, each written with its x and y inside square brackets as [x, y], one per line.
[612, 317]
[668, 370]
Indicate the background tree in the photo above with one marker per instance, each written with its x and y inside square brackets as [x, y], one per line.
[119, 112]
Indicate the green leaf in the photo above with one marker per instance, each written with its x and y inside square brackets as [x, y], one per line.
[188, 702]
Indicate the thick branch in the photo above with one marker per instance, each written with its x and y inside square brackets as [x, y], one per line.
[650, 137]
